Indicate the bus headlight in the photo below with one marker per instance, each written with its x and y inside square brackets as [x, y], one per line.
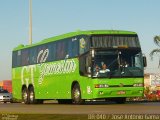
[138, 85]
[101, 86]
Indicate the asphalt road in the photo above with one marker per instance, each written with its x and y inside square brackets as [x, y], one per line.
[88, 108]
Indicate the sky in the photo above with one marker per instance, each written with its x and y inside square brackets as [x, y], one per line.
[55, 17]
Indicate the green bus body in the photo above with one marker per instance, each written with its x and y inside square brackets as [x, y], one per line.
[62, 67]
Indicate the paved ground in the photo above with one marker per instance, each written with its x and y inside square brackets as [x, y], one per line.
[88, 108]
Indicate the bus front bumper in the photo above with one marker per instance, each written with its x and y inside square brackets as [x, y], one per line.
[118, 92]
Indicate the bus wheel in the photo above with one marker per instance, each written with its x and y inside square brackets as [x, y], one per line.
[76, 95]
[25, 96]
[120, 100]
[31, 95]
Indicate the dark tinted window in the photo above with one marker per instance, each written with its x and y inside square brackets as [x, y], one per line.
[61, 49]
[85, 64]
[43, 53]
[25, 57]
[33, 55]
[53, 52]
[84, 44]
[73, 47]
[48, 52]
[104, 41]
[16, 60]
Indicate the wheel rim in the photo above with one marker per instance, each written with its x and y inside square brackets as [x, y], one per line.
[31, 96]
[76, 95]
[25, 96]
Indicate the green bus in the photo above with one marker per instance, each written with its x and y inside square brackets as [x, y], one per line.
[79, 66]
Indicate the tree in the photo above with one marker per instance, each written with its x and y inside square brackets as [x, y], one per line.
[157, 50]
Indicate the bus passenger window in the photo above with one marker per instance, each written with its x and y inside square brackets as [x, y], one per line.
[25, 57]
[33, 55]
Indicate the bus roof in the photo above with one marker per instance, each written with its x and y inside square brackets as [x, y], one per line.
[72, 34]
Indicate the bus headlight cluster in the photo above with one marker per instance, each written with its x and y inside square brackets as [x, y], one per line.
[101, 86]
[138, 85]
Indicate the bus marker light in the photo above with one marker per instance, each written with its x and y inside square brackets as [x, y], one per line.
[121, 92]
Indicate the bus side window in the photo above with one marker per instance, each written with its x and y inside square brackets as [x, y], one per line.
[33, 55]
[25, 57]
[72, 47]
[53, 53]
[70, 51]
[42, 54]
[82, 65]
[75, 48]
[50, 52]
[83, 44]
[60, 50]
[88, 64]
[85, 65]
[16, 59]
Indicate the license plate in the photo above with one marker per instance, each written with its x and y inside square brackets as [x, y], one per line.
[121, 92]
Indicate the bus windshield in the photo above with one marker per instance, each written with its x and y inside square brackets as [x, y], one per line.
[118, 63]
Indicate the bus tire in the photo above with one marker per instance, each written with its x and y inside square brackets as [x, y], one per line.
[25, 98]
[76, 95]
[31, 95]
